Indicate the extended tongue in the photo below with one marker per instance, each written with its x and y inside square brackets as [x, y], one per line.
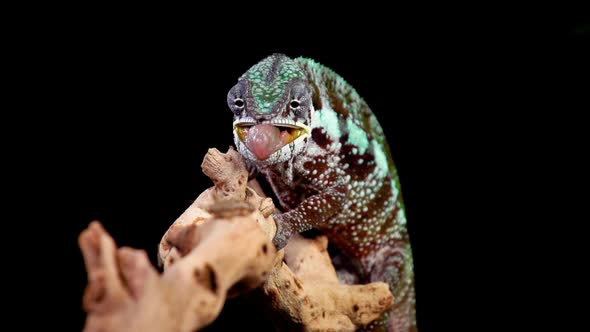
[263, 140]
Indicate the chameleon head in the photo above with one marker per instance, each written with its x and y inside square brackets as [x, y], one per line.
[272, 106]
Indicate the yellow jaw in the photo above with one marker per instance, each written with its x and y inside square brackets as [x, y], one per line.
[289, 133]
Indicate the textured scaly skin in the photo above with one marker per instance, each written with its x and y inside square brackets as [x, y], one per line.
[337, 176]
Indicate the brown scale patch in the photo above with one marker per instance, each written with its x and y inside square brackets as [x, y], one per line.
[321, 167]
[367, 119]
[374, 207]
[341, 237]
[390, 218]
[320, 137]
[337, 103]
[316, 97]
[377, 204]
[358, 172]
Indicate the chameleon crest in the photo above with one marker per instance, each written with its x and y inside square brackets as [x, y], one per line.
[269, 79]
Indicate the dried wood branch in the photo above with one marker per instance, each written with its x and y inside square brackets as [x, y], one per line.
[221, 247]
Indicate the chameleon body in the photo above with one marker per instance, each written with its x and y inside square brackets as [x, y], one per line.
[323, 152]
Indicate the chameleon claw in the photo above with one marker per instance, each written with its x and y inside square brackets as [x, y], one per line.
[283, 233]
[280, 242]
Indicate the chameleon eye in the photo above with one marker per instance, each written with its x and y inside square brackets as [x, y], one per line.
[294, 104]
[239, 102]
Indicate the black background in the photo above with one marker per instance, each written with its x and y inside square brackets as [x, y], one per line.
[121, 114]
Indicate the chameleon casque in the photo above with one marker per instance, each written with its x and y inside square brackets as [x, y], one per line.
[324, 154]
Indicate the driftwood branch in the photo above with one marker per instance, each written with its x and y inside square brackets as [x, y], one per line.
[307, 295]
[220, 247]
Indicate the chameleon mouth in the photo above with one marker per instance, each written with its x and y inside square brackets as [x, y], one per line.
[266, 138]
[287, 133]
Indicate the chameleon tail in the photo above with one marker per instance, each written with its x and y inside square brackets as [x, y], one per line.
[400, 277]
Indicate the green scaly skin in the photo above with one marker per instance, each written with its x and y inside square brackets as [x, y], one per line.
[333, 172]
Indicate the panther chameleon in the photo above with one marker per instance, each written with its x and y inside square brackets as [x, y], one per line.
[324, 154]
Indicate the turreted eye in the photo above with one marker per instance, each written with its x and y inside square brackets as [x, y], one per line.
[235, 98]
[294, 104]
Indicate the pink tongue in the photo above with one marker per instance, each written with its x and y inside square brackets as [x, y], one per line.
[263, 140]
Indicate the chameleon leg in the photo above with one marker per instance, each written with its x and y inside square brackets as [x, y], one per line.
[284, 232]
[314, 211]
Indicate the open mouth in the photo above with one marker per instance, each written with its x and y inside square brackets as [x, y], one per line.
[266, 138]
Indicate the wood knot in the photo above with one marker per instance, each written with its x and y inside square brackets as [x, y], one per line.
[230, 208]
